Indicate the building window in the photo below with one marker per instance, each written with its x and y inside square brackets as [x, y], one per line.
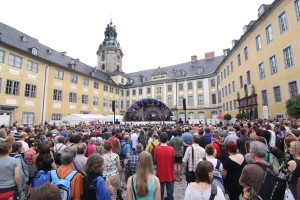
[229, 88]
[213, 99]
[127, 104]
[283, 24]
[96, 85]
[221, 76]
[199, 84]
[105, 103]
[212, 83]
[180, 86]
[246, 53]
[191, 115]
[261, 69]
[264, 98]
[218, 79]
[273, 65]
[200, 100]
[233, 86]
[241, 82]
[180, 101]
[116, 104]
[12, 87]
[117, 91]
[32, 66]
[226, 90]
[231, 66]
[258, 43]
[122, 104]
[230, 105]
[239, 59]
[56, 116]
[227, 106]
[169, 88]
[140, 91]
[234, 104]
[277, 94]
[214, 114]
[224, 73]
[297, 9]
[2, 56]
[293, 89]
[111, 89]
[30, 90]
[133, 92]
[269, 33]
[190, 101]
[85, 81]
[170, 101]
[28, 118]
[201, 115]
[105, 88]
[222, 92]
[190, 86]
[72, 97]
[85, 99]
[15, 61]
[0, 84]
[248, 77]
[95, 101]
[148, 90]
[59, 74]
[57, 95]
[228, 72]
[73, 78]
[158, 90]
[288, 57]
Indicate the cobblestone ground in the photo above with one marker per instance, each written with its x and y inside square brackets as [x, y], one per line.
[179, 190]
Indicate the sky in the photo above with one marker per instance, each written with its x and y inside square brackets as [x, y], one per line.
[151, 33]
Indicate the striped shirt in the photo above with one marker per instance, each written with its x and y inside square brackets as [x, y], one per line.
[199, 153]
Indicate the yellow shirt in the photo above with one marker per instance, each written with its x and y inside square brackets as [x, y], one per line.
[150, 147]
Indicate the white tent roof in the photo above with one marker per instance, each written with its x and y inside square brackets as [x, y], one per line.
[77, 118]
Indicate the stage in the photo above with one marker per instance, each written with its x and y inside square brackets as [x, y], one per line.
[149, 122]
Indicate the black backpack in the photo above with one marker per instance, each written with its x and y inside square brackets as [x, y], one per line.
[120, 151]
[152, 151]
[273, 187]
[57, 155]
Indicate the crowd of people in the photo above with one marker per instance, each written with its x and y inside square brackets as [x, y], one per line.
[102, 161]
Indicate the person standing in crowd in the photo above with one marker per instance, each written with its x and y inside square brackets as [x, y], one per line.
[187, 139]
[164, 158]
[134, 138]
[46, 192]
[93, 169]
[217, 144]
[231, 136]
[242, 140]
[25, 145]
[74, 140]
[142, 138]
[91, 148]
[60, 145]
[202, 187]
[207, 135]
[44, 160]
[67, 158]
[114, 141]
[232, 169]
[80, 159]
[191, 158]
[253, 174]
[144, 185]
[10, 180]
[294, 166]
[105, 135]
[177, 144]
[130, 167]
[112, 165]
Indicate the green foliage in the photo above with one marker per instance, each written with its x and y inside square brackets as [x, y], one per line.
[240, 116]
[293, 107]
[227, 116]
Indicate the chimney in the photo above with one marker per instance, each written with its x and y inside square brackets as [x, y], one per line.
[194, 58]
[209, 55]
[225, 52]
[262, 9]
[64, 53]
[234, 42]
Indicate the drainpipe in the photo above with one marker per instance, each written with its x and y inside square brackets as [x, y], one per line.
[46, 72]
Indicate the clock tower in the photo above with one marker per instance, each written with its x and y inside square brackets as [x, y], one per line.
[109, 52]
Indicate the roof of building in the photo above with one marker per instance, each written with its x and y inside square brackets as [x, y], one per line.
[25, 43]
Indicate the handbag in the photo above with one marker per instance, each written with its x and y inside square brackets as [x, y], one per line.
[190, 176]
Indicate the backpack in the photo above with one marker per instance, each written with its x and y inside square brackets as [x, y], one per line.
[142, 140]
[100, 188]
[273, 187]
[273, 160]
[28, 156]
[217, 178]
[120, 151]
[57, 155]
[41, 178]
[153, 148]
[24, 169]
[64, 184]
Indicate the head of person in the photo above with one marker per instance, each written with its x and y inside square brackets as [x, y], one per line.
[243, 131]
[75, 138]
[207, 130]
[174, 132]
[231, 147]
[139, 148]
[16, 147]
[295, 148]
[204, 172]
[61, 139]
[155, 136]
[92, 140]
[107, 146]
[3, 134]
[47, 191]
[210, 150]
[44, 155]
[143, 169]
[94, 164]
[67, 156]
[114, 132]
[5, 148]
[81, 148]
[98, 141]
[196, 139]
[126, 138]
[288, 140]
[164, 137]
[216, 136]
[257, 149]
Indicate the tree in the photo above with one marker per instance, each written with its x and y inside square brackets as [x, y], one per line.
[293, 107]
[227, 116]
[240, 116]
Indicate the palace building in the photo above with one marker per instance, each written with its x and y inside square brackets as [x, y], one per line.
[255, 77]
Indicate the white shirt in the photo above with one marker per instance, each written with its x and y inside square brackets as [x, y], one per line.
[273, 138]
[134, 139]
[192, 193]
[25, 146]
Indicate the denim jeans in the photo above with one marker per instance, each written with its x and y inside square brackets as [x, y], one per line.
[170, 190]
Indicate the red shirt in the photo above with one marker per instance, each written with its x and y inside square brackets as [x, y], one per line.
[115, 143]
[164, 157]
[217, 147]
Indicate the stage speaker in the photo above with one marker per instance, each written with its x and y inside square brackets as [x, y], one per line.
[184, 104]
[113, 106]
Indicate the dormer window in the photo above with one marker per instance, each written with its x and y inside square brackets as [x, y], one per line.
[34, 51]
[24, 38]
[49, 51]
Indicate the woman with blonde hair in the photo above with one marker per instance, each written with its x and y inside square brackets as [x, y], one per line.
[294, 167]
[143, 185]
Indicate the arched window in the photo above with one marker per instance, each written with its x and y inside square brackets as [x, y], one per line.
[201, 115]
[191, 115]
[214, 114]
[181, 116]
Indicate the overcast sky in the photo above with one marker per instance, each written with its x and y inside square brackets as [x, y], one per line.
[151, 33]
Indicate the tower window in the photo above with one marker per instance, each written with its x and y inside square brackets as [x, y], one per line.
[103, 66]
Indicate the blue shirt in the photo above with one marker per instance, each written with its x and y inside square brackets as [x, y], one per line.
[127, 149]
[187, 138]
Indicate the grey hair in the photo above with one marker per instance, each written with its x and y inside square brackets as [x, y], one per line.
[81, 148]
[67, 156]
[259, 148]
[92, 140]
